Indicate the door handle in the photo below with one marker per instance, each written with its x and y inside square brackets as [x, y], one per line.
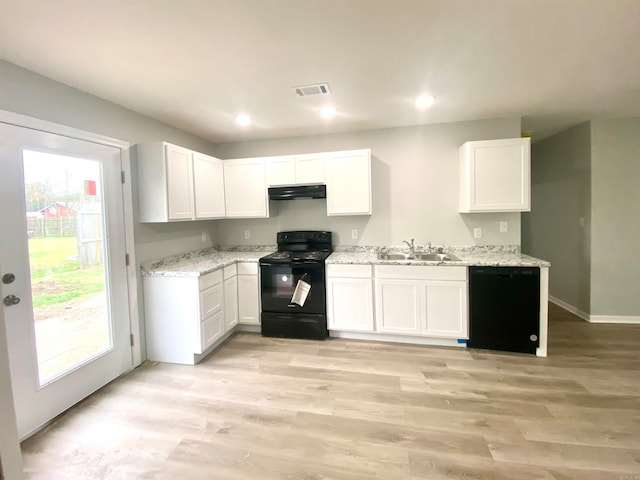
[10, 300]
[8, 278]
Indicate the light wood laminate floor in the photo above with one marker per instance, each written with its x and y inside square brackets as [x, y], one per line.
[303, 410]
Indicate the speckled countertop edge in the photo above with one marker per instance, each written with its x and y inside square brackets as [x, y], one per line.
[201, 262]
[503, 259]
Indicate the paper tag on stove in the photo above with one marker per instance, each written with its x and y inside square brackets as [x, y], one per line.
[301, 292]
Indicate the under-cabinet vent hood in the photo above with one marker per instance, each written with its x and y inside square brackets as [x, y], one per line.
[297, 191]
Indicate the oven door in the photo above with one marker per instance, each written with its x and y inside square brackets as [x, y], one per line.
[278, 283]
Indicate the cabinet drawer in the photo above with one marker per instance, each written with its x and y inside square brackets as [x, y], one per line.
[349, 271]
[246, 268]
[230, 271]
[210, 279]
[211, 330]
[421, 272]
[211, 301]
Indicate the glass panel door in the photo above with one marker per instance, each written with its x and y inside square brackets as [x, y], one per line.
[62, 243]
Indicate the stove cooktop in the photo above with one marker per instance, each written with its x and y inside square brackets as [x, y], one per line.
[315, 256]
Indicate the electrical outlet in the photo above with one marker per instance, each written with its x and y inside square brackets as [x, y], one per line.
[354, 233]
[504, 227]
[247, 234]
[477, 232]
[581, 222]
[203, 237]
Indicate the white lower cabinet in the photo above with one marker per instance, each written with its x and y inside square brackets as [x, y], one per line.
[349, 298]
[184, 316]
[399, 306]
[230, 274]
[422, 300]
[447, 310]
[211, 313]
[248, 294]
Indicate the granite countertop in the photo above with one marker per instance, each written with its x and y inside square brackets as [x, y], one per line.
[468, 258]
[200, 262]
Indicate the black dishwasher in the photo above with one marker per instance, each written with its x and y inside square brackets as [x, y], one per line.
[504, 308]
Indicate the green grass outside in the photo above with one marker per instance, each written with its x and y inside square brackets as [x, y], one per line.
[55, 275]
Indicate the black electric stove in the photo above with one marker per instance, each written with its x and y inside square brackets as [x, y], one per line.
[300, 258]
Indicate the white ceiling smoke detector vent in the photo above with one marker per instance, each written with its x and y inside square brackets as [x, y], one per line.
[310, 90]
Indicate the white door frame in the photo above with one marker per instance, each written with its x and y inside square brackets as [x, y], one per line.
[9, 445]
[19, 120]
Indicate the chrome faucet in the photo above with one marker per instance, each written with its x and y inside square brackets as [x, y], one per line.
[412, 247]
[429, 249]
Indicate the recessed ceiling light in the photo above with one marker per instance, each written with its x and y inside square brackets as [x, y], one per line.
[425, 101]
[243, 120]
[328, 112]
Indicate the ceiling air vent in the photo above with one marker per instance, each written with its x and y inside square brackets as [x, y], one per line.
[309, 90]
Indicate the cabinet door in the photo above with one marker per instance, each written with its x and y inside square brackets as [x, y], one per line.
[208, 185]
[349, 183]
[280, 171]
[248, 300]
[399, 306]
[496, 176]
[350, 304]
[446, 307]
[310, 168]
[179, 183]
[245, 188]
[230, 303]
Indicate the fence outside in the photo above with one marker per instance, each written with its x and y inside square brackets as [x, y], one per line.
[51, 227]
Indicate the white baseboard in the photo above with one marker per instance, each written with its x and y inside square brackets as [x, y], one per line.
[379, 337]
[569, 308]
[625, 319]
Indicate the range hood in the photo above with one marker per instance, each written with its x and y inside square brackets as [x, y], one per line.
[297, 191]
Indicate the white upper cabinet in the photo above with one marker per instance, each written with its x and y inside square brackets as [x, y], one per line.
[175, 184]
[310, 168]
[208, 186]
[179, 183]
[295, 169]
[280, 170]
[349, 182]
[495, 176]
[245, 188]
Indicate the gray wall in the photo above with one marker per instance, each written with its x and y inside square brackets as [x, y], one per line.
[27, 93]
[414, 182]
[615, 263]
[590, 171]
[560, 197]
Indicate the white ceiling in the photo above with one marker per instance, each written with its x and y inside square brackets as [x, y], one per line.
[195, 64]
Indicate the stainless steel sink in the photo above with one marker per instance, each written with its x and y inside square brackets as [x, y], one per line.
[433, 257]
